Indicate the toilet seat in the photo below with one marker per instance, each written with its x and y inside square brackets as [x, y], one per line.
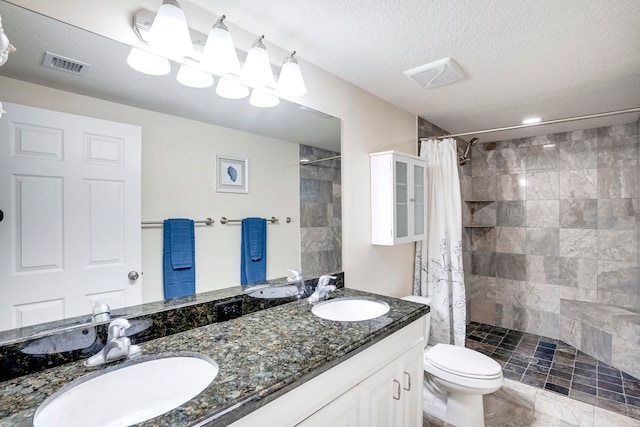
[463, 362]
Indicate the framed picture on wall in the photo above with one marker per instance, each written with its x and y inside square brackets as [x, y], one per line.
[232, 174]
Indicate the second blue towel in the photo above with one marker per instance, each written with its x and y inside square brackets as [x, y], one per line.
[253, 252]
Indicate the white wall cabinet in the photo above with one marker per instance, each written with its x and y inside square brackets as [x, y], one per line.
[380, 386]
[397, 198]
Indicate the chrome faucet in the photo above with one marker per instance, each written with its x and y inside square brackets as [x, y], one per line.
[118, 345]
[296, 278]
[323, 289]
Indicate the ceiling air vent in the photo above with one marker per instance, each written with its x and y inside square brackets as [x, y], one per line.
[435, 73]
[60, 63]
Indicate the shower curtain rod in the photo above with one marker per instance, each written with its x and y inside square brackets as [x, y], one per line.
[310, 162]
[547, 122]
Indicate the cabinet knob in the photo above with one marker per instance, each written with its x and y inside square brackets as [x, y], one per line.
[399, 390]
[408, 377]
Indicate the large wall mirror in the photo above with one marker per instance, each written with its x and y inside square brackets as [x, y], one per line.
[183, 130]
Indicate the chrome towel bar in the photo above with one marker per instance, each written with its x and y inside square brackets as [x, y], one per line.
[272, 220]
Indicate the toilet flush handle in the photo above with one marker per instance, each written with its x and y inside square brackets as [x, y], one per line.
[408, 386]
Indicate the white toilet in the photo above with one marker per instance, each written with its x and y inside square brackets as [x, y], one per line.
[455, 380]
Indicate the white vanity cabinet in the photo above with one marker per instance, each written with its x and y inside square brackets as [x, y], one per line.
[397, 198]
[380, 386]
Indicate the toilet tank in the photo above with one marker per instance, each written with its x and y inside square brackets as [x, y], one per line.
[427, 318]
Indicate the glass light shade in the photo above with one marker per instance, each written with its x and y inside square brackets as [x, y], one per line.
[256, 71]
[231, 90]
[290, 81]
[148, 63]
[191, 77]
[169, 31]
[219, 54]
[262, 99]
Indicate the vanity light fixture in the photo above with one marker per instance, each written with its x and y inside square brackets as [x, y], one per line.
[169, 30]
[191, 77]
[231, 90]
[262, 99]
[257, 71]
[219, 53]
[2, 110]
[290, 81]
[148, 63]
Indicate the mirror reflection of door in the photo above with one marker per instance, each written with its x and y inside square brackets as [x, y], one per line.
[70, 193]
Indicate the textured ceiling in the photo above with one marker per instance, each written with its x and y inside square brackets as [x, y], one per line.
[554, 59]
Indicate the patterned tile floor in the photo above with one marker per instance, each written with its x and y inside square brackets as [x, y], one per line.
[553, 365]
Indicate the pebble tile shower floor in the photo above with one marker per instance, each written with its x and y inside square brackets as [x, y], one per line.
[553, 365]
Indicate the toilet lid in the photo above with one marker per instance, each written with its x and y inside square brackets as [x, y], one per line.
[463, 361]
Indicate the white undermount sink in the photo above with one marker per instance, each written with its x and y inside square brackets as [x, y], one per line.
[128, 394]
[350, 309]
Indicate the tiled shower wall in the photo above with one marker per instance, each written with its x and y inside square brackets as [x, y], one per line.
[555, 217]
[320, 213]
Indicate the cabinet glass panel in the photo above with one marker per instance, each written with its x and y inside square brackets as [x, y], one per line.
[418, 194]
[402, 199]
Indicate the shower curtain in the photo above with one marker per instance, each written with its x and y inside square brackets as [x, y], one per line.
[438, 265]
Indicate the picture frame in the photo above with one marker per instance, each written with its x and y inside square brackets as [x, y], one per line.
[232, 174]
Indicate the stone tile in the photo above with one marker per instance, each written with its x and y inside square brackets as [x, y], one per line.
[605, 418]
[568, 410]
[543, 213]
[580, 151]
[484, 159]
[483, 263]
[542, 185]
[511, 213]
[616, 149]
[596, 342]
[543, 241]
[510, 157]
[579, 213]
[570, 330]
[578, 243]
[511, 187]
[511, 240]
[578, 184]
[618, 245]
[542, 269]
[482, 212]
[483, 188]
[617, 183]
[542, 157]
[616, 276]
[619, 214]
[578, 272]
[483, 239]
[510, 266]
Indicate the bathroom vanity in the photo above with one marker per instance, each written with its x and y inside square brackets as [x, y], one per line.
[278, 366]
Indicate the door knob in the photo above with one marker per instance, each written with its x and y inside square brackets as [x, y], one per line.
[133, 275]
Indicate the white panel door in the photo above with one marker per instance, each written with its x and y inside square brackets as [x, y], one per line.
[70, 194]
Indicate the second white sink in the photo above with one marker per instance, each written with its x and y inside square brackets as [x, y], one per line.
[129, 394]
[350, 309]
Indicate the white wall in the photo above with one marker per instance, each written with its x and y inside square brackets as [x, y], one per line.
[178, 180]
[368, 124]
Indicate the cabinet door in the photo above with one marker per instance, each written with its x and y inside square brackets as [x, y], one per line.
[342, 412]
[378, 395]
[419, 177]
[403, 213]
[410, 372]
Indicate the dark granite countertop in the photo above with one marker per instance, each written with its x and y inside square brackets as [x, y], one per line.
[261, 356]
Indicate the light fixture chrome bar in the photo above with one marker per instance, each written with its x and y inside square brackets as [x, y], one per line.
[309, 162]
[547, 122]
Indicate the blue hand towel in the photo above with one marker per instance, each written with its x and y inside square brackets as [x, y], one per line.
[179, 265]
[253, 252]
